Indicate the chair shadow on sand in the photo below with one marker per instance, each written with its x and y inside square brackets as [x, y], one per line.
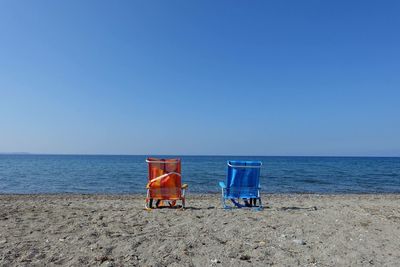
[298, 208]
[179, 207]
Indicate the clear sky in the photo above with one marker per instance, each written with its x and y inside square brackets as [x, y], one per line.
[200, 77]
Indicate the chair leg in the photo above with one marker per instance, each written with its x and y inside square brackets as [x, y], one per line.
[237, 203]
[246, 202]
[260, 207]
[226, 206]
[223, 200]
[149, 201]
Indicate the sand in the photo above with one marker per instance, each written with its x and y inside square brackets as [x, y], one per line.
[107, 230]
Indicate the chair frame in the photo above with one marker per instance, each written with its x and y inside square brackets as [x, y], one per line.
[172, 202]
[236, 201]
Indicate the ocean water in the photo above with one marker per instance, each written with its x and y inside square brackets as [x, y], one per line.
[127, 174]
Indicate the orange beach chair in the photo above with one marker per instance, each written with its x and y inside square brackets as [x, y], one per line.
[164, 183]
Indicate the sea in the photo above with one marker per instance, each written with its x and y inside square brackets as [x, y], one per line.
[113, 174]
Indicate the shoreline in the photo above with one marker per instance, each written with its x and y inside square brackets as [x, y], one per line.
[197, 194]
[115, 230]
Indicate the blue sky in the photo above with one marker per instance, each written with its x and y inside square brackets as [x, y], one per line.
[200, 77]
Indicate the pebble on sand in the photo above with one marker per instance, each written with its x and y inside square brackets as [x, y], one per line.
[107, 264]
[299, 241]
[245, 257]
[215, 261]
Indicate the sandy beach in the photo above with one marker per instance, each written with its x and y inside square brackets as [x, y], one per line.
[108, 230]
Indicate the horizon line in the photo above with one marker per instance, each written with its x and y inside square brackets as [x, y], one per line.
[186, 155]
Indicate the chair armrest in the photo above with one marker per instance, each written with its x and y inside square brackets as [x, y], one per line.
[222, 185]
[184, 186]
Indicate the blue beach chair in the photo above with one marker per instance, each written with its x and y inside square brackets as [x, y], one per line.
[242, 184]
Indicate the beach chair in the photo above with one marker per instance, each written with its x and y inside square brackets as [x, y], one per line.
[164, 183]
[242, 185]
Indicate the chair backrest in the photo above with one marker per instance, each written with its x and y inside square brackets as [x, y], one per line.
[164, 177]
[158, 167]
[243, 178]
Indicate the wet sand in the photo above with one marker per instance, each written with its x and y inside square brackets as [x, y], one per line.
[111, 230]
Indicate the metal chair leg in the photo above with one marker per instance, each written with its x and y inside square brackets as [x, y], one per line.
[223, 200]
[260, 207]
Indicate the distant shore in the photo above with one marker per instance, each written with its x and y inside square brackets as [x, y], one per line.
[115, 230]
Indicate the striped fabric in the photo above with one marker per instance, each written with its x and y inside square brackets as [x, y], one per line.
[164, 179]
